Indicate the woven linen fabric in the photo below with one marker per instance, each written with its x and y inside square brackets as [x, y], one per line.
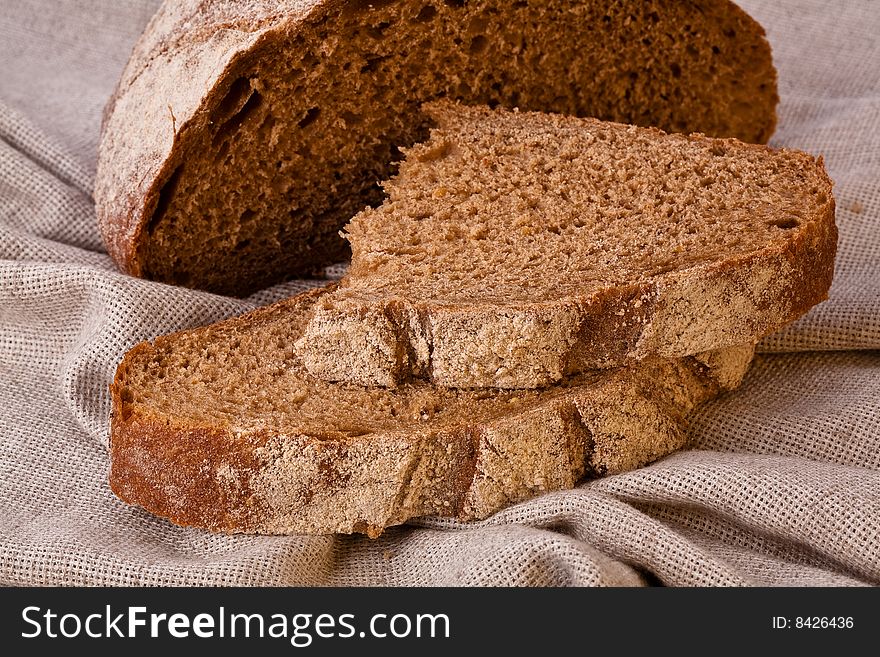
[781, 486]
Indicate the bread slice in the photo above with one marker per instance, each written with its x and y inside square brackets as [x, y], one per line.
[516, 248]
[250, 132]
[221, 427]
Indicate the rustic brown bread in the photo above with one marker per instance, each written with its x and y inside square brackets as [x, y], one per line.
[517, 247]
[221, 427]
[243, 134]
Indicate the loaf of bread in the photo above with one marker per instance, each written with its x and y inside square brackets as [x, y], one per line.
[516, 248]
[243, 135]
[222, 428]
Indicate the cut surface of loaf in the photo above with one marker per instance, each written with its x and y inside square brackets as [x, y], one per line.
[516, 248]
[222, 428]
[243, 135]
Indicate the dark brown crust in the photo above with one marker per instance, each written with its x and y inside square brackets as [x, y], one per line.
[189, 492]
[152, 468]
[151, 117]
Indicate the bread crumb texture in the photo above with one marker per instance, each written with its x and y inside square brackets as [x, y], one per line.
[516, 248]
[222, 427]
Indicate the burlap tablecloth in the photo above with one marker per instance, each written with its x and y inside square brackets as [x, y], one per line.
[781, 486]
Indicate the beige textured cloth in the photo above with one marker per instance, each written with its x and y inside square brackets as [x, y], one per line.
[782, 486]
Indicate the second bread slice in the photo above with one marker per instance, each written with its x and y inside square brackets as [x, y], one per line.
[516, 248]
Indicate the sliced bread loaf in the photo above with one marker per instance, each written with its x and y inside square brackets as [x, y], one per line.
[222, 428]
[243, 135]
[516, 248]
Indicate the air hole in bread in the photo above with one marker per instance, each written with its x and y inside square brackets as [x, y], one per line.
[478, 44]
[266, 127]
[310, 117]
[351, 118]
[378, 31]
[676, 70]
[426, 14]
[372, 62]
[165, 195]
[237, 120]
[785, 223]
[238, 93]
[309, 60]
[455, 3]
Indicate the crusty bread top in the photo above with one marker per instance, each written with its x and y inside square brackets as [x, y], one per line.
[221, 427]
[515, 247]
[252, 130]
